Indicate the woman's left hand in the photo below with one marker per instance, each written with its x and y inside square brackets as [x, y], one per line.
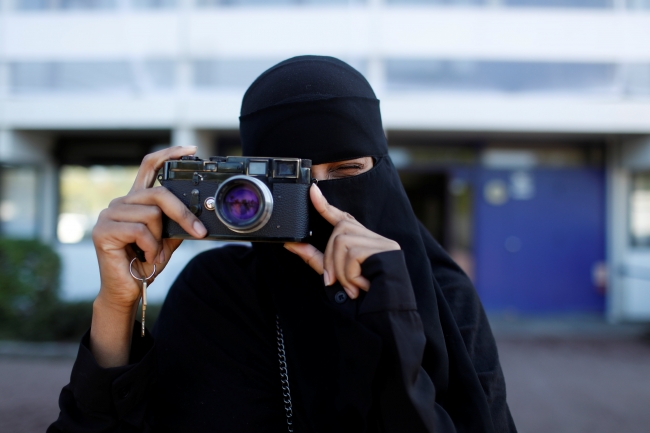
[348, 247]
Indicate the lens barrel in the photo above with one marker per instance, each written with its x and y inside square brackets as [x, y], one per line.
[244, 204]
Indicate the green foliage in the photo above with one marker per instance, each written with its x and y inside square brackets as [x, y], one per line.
[29, 278]
[30, 308]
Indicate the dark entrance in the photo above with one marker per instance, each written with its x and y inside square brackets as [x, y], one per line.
[427, 193]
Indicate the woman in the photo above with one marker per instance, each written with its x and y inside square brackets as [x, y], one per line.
[382, 331]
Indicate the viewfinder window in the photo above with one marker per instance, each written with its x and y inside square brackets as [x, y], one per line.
[286, 168]
[257, 168]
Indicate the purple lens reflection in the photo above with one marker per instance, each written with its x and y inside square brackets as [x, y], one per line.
[240, 203]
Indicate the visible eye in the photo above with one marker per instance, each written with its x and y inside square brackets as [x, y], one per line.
[345, 170]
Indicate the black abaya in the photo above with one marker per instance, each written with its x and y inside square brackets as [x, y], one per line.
[414, 354]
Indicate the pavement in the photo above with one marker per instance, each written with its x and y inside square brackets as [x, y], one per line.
[563, 375]
[575, 374]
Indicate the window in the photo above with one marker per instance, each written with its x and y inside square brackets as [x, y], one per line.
[514, 3]
[65, 4]
[213, 3]
[637, 79]
[154, 4]
[91, 76]
[234, 74]
[238, 74]
[84, 193]
[18, 192]
[38, 77]
[640, 210]
[495, 76]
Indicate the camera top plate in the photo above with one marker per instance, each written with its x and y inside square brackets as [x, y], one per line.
[271, 170]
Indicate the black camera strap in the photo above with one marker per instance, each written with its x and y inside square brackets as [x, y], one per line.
[284, 375]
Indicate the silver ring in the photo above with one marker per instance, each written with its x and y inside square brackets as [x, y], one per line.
[138, 278]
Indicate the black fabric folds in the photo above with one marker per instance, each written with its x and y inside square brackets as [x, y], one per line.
[322, 109]
[318, 107]
[413, 354]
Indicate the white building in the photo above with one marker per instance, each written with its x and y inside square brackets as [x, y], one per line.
[481, 100]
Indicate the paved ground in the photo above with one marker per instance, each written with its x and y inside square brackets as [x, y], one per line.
[562, 377]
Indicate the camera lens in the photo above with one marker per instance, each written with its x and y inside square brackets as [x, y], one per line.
[244, 204]
[240, 203]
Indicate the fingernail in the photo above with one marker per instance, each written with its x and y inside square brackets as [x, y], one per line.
[326, 278]
[161, 256]
[289, 247]
[199, 229]
[313, 185]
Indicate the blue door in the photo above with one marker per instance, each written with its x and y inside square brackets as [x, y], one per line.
[539, 234]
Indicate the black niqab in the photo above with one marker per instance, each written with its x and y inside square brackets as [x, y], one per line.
[414, 354]
[322, 109]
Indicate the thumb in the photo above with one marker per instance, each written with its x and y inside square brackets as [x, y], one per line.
[309, 254]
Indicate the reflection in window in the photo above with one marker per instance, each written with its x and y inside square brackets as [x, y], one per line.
[91, 76]
[238, 74]
[439, 2]
[598, 4]
[29, 77]
[514, 3]
[640, 210]
[491, 76]
[638, 4]
[65, 4]
[211, 3]
[85, 192]
[18, 192]
[154, 4]
[637, 78]
[158, 74]
[229, 73]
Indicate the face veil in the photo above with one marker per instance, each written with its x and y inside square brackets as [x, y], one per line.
[322, 109]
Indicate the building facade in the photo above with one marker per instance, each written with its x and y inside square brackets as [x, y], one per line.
[521, 128]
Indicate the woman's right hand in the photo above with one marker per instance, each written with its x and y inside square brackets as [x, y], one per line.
[137, 218]
[134, 218]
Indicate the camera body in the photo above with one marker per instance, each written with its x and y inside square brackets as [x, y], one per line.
[252, 199]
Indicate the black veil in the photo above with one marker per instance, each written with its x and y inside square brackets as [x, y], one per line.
[322, 109]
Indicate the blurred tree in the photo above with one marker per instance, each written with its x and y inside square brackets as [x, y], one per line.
[30, 307]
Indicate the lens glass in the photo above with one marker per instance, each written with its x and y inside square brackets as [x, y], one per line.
[240, 203]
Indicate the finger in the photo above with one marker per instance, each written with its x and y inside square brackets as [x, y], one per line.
[352, 291]
[361, 282]
[154, 162]
[308, 253]
[169, 246]
[342, 228]
[331, 214]
[117, 235]
[355, 257]
[343, 262]
[171, 206]
[354, 237]
[135, 213]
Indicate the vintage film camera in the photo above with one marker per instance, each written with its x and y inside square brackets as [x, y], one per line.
[242, 198]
